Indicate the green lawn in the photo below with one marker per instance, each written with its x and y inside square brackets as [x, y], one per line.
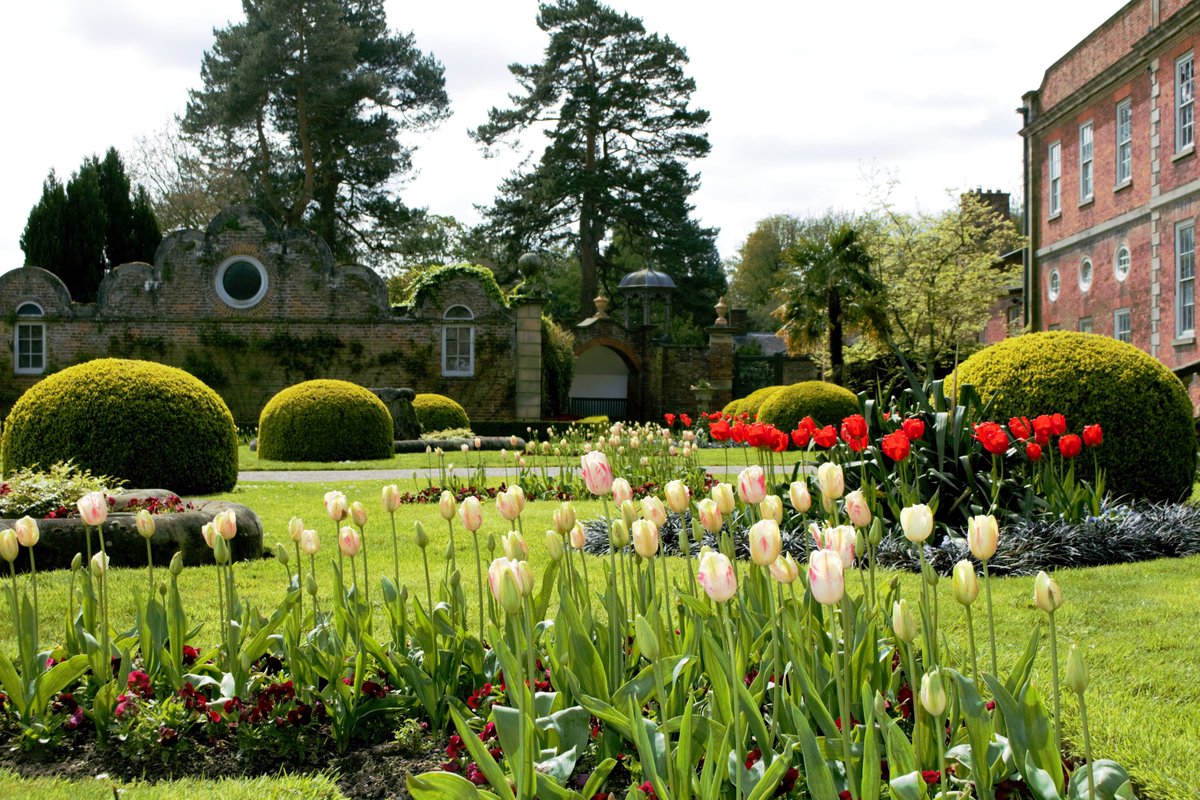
[1137, 623]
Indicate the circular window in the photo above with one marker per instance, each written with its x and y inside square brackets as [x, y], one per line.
[1085, 275]
[241, 281]
[1121, 263]
[1055, 285]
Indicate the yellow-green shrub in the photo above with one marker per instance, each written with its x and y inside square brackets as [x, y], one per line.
[437, 412]
[1149, 448]
[324, 420]
[827, 403]
[751, 403]
[150, 425]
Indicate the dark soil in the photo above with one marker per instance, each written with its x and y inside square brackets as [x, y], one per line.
[368, 772]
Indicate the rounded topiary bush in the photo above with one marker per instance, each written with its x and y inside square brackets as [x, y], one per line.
[1149, 448]
[827, 403]
[325, 420]
[148, 424]
[436, 412]
[751, 403]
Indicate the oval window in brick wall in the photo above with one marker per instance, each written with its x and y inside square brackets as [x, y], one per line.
[241, 281]
[1085, 275]
[1055, 285]
[1121, 263]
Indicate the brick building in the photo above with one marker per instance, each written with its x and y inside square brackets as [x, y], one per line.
[1112, 185]
[250, 308]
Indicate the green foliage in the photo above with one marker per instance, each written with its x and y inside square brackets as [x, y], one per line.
[558, 367]
[751, 403]
[1149, 448]
[827, 403]
[150, 425]
[614, 102]
[437, 412]
[309, 101]
[91, 225]
[324, 420]
[428, 280]
[35, 492]
[757, 271]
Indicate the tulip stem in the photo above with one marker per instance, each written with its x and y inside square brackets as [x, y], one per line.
[1087, 747]
[667, 599]
[479, 581]
[914, 681]
[428, 585]
[1057, 697]
[987, 589]
[734, 700]
[776, 668]
[36, 611]
[616, 673]
[453, 560]
[149, 568]
[312, 569]
[366, 574]
[971, 639]
[16, 616]
[841, 672]
[926, 609]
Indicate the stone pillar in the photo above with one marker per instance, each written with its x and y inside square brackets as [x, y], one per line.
[720, 365]
[529, 358]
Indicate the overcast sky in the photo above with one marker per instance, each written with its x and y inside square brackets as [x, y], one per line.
[807, 97]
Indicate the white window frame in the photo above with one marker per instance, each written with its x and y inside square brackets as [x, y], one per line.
[1086, 162]
[1122, 266]
[230, 300]
[1085, 325]
[29, 328]
[1054, 285]
[457, 324]
[1086, 273]
[1185, 95]
[1054, 161]
[1124, 142]
[1185, 279]
[1123, 333]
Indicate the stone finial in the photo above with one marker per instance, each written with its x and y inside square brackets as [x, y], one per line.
[721, 308]
[530, 264]
[601, 304]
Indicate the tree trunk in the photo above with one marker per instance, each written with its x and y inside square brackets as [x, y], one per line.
[589, 284]
[836, 358]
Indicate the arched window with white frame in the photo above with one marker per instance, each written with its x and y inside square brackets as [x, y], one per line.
[458, 342]
[29, 340]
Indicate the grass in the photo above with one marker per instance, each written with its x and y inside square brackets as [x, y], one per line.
[1137, 625]
[283, 787]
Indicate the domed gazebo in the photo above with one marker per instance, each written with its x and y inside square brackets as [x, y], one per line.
[652, 289]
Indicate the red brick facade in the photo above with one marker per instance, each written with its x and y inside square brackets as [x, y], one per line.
[1107, 260]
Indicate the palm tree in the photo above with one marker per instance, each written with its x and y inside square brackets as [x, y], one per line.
[831, 287]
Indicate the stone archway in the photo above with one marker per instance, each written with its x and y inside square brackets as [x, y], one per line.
[602, 381]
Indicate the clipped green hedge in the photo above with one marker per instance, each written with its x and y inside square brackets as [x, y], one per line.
[436, 412]
[751, 403]
[1149, 448]
[827, 403]
[150, 425]
[324, 420]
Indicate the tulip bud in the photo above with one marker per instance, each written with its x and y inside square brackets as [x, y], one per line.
[857, 509]
[621, 491]
[654, 510]
[295, 528]
[77, 562]
[310, 584]
[619, 534]
[798, 494]
[1046, 593]
[982, 536]
[710, 515]
[310, 543]
[933, 693]
[722, 494]
[335, 505]
[930, 575]
[209, 531]
[678, 496]
[162, 588]
[514, 545]
[422, 537]
[765, 542]
[455, 580]
[221, 552]
[645, 538]
[875, 534]
[647, 641]
[349, 542]
[771, 508]
[99, 564]
[226, 524]
[826, 579]
[752, 485]
[785, 569]
[471, 513]
[390, 498]
[554, 545]
[176, 564]
[965, 584]
[449, 549]
[93, 508]
[491, 544]
[1077, 674]
[9, 546]
[716, 576]
[917, 522]
[466, 448]
[358, 514]
[506, 505]
[525, 573]
[578, 536]
[564, 518]
[628, 513]
[830, 481]
[28, 534]
[903, 622]
[281, 553]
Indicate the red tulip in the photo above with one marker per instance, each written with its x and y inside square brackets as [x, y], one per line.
[720, 430]
[1020, 429]
[670, 418]
[1043, 428]
[1033, 451]
[801, 437]
[854, 432]
[896, 445]
[825, 437]
[992, 437]
[913, 428]
[1093, 435]
[686, 420]
[1069, 445]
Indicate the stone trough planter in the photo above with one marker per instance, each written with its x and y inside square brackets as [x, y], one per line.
[61, 539]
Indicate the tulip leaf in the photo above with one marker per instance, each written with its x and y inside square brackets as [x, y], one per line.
[817, 776]
[900, 754]
[652, 748]
[816, 707]
[642, 686]
[871, 777]
[1040, 783]
[685, 764]
[773, 775]
[753, 716]
[483, 759]
[1112, 782]
[558, 767]
[441, 785]
[547, 789]
[571, 726]
[909, 786]
[599, 776]
[979, 732]
[1040, 732]
[1024, 666]
[55, 680]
